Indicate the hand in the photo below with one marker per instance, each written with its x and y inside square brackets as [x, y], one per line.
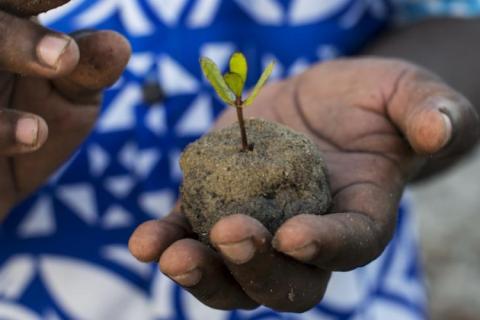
[377, 122]
[50, 90]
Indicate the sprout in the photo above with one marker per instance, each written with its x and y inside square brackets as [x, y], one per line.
[229, 87]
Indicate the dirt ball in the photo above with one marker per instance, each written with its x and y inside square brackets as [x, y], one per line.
[284, 175]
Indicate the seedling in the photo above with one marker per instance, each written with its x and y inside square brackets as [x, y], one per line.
[229, 87]
[283, 176]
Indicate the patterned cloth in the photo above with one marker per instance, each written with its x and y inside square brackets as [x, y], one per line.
[64, 251]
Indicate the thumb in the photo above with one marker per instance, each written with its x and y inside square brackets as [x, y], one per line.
[21, 132]
[435, 119]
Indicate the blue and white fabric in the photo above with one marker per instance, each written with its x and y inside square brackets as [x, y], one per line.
[63, 252]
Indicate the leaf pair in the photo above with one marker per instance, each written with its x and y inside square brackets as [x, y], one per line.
[230, 86]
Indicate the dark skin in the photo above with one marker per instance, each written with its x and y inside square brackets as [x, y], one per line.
[48, 102]
[436, 44]
[374, 119]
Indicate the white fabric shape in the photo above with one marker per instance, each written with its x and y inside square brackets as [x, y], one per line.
[203, 13]
[127, 155]
[267, 12]
[119, 186]
[146, 161]
[175, 80]
[134, 19]
[194, 309]
[175, 170]
[116, 217]
[95, 14]
[11, 311]
[218, 52]
[157, 203]
[80, 198]
[15, 275]
[382, 309]
[163, 297]
[98, 159]
[344, 291]
[141, 63]
[39, 221]
[92, 292]
[198, 118]
[312, 314]
[167, 10]
[120, 115]
[141, 162]
[121, 256]
[309, 11]
[370, 276]
[155, 120]
[396, 279]
[51, 315]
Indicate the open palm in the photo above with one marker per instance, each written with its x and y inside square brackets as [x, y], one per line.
[374, 120]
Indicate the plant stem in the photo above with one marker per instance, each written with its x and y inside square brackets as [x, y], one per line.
[241, 122]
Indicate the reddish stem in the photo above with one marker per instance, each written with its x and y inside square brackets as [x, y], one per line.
[241, 122]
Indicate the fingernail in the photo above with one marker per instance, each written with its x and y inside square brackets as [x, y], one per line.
[238, 252]
[448, 129]
[51, 48]
[304, 253]
[188, 279]
[26, 131]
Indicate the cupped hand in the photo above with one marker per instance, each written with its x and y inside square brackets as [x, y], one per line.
[50, 90]
[379, 123]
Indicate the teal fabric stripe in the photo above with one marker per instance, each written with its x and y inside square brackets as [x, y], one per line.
[412, 10]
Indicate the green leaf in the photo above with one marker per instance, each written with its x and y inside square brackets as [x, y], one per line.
[261, 82]
[234, 82]
[212, 73]
[238, 65]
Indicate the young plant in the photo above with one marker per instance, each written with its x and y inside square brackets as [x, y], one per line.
[229, 87]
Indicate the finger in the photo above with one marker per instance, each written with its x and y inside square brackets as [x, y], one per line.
[152, 238]
[201, 272]
[27, 8]
[433, 117]
[21, 132]
[103, 57]
[266, 276]
[27, 48]
[352, 237]
[417, 102]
